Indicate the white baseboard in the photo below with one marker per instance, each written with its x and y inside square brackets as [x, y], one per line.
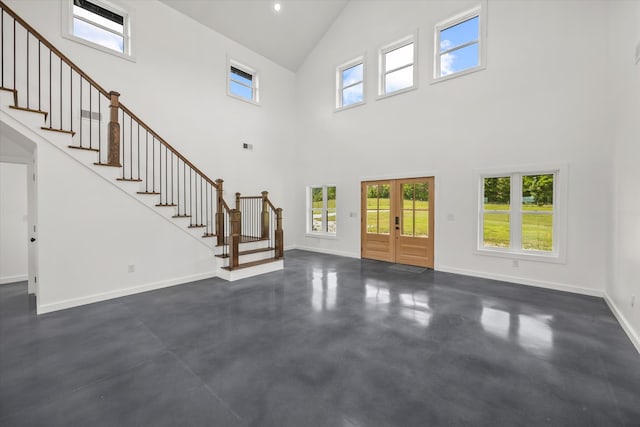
[13, 279]
[524, 281]
[626, 326]
[89, 299]
[325, 251]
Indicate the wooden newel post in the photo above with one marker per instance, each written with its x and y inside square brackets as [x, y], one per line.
[279, 234]
[113, 158]
[239, 210]
[265, 215]
[234, 239]
[219, 214]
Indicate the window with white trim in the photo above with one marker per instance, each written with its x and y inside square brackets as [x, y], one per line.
[519, 213]
[398, 67]
[99, 24]
[459, 44]
[243, 82]
[321, 210]
[350, 83]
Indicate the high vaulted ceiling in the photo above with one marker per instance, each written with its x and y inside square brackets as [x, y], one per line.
[285, 37]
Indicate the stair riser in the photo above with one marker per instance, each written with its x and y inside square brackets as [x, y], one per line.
[250, 271]
[250, 258]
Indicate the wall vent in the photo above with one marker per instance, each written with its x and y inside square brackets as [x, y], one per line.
[86, 114]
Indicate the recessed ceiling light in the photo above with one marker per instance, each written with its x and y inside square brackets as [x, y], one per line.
[277, 7]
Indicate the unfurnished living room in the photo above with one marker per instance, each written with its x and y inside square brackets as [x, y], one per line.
[341, 213]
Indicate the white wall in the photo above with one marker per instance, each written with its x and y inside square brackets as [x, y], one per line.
[13, 222]
[88, 237]
[624, 36]
[177, 85]
[540, 100]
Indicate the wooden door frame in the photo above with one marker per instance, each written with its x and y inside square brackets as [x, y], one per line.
[392, 179]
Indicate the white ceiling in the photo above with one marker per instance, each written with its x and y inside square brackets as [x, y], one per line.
[285, 37]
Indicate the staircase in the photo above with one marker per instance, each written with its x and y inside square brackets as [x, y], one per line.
[44, 90]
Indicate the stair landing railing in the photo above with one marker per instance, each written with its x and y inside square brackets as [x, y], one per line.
[45, 81]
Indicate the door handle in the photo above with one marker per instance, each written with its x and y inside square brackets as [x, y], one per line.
[33, 239]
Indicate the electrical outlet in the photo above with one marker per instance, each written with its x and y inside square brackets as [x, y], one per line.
[515, 263]
[132, 268]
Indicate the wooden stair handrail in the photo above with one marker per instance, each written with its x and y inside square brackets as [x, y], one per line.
[173, 150]
[114, 150]
[53, 49]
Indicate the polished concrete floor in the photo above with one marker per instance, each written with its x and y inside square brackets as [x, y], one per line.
[329, 341]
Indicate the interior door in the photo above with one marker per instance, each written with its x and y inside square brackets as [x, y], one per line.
[397, 221]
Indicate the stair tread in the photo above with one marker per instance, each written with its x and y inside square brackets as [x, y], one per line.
[181, 216]
[148, 192]
[70, 132]
[206, 235]
[107, 164]
[197, 226]
[129, 179]
[83, 148]
[29, 110]
[253, 264]
[165, 205]
[7, 89]
[249, 252]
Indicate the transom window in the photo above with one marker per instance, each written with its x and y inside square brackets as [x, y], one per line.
[243, 82]
[100, 24]
[398, 69]
[519, 213]
[459, 44]
[350, 84]
[322, 210]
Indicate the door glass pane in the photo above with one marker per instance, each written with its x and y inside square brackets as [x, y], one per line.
[372, 221]
[537, 232]
[537, 192]
[497, 193]
[407, 222]
[422, 223]
[383, 221]
[496, 229]
[378, 208]
[408, 195]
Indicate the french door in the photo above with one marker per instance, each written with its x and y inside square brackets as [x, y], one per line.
[397, 221]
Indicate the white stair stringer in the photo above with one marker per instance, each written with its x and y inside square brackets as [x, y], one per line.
[30, 124]
[26, 122]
